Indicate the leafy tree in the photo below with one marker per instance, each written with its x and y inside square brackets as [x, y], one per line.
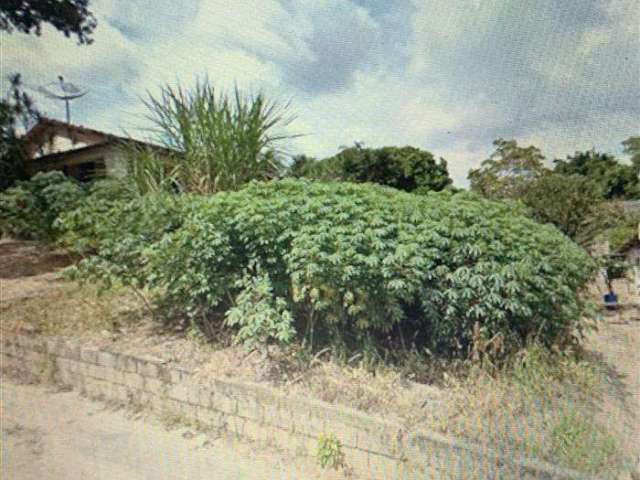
[632, 148]
[622, 233]
[617, 181]
[214, 141]
[301, 166]
[71, 17]
[405, 168]
[16, 110]
[573, 203]
[508, 172]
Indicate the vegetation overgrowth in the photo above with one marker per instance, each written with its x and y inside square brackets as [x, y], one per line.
[358, 267]
[30, 208]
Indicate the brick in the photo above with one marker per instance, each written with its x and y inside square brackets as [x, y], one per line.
[106, 359]
[153, 385]
[88, 355]
[178, 392]
[133, 381]
[70, 350]
[177, 374]
[127, 363]
[147, 368]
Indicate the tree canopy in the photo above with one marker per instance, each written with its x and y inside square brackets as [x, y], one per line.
[71, 17]
[508, 171]
[16, 110]
[632, 148]
[404, 168]
[617, 180]
[573, 203]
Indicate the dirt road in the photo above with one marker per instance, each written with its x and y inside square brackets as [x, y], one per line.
[60, 435]
[617, 343]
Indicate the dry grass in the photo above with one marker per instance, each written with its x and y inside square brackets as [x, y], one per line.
[544, 405]
[70, 310]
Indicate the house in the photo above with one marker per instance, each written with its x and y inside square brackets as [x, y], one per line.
[627, 288]
[78, 151]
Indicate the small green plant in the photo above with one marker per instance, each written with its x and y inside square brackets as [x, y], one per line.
[581, 444]
[329, 452]
[259, 316]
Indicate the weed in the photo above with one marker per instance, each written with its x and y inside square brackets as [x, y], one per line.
[172, 420]
[582, 444]
[72, 310]
[329, 452]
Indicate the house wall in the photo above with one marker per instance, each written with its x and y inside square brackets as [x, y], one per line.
[58, 140]
[107, 159]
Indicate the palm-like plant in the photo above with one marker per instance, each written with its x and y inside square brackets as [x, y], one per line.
[221, 141]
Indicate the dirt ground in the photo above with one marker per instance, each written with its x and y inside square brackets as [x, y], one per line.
[617, 344]
[53, 435]
[26, 270]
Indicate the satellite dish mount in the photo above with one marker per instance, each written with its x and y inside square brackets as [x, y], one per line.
[62, 90]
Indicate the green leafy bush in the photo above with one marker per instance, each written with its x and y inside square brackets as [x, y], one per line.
[99, 218]
[115, 234]
[29, 209]
[355, 265]
[259, 315]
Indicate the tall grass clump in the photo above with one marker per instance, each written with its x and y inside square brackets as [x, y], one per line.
[215, 140]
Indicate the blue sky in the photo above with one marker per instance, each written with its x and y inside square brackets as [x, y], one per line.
[446, 75]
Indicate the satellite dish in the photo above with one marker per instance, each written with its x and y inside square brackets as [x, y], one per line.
[62, 90]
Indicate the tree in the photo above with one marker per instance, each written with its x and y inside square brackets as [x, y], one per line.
[16, 110]
[71, 17]
[617, 181]
[632, 148]
[301, 166]
[508, 171]
[405, 168]
[573, 203]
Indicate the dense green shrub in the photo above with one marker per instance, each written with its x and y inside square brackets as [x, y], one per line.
[29, 209]
[114, 229]
[99, 218]
[356, 264]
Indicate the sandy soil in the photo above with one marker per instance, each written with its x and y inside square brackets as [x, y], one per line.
[54, 435]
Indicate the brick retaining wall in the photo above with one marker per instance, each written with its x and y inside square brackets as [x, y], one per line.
[373, 447]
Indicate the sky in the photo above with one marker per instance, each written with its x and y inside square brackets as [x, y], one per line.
[449, 76]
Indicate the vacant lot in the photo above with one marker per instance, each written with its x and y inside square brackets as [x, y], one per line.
[578, 413]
